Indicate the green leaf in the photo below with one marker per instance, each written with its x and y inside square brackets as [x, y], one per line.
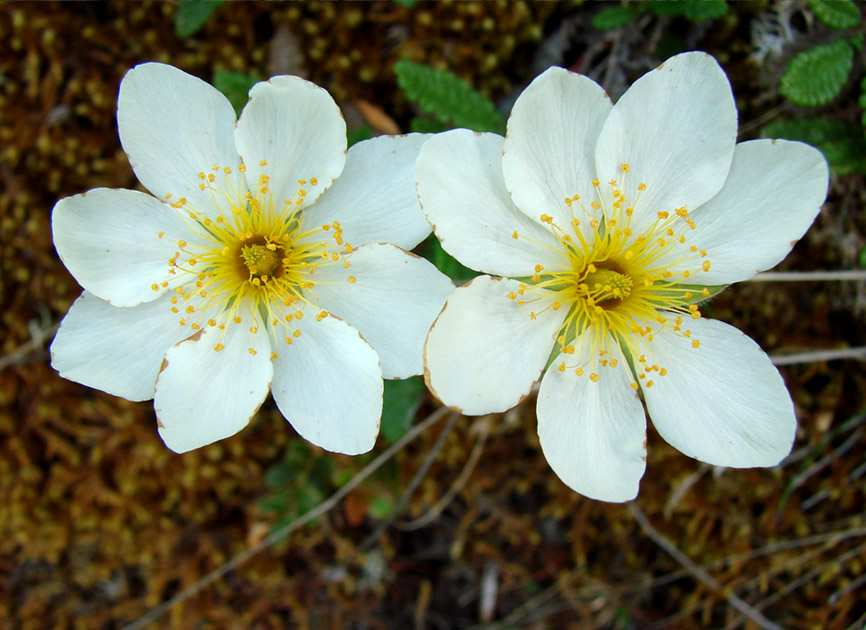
[842, 144]
[700, 10]
[615, 17]
[381, 507]
[409, 4]
[279, 475]
[862, 258]
[401, 401]
[431, 249]
[448, 97]
[862, 102]
[857, 41]
[836, 13]
[816, 76]
[364, 132]
[191, 15]
[427, 125]
[235, 86]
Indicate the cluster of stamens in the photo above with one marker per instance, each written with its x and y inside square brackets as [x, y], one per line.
[617, 286]
[255, 258]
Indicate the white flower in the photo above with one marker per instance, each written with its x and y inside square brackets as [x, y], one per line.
[607, 225]
[242, 273]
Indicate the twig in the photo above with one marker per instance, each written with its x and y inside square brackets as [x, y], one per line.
[288, 528]
[815, 356]
[38, 336]
[413, 485]
[696, 571]
[809, 276]
[434, 512]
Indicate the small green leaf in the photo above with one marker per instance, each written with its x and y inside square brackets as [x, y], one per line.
[409, 4]
[401, 401]
[191, 15]
[836, 13]
[279, 475]
[862, 258]
[862, 102]
[277, 502]
[857, 41]
[842, 144]
[428, 125]
[431, 249]
[235, 86]
[614, 17]
[448, 97]
[364, 132]
[381, 507]
[816, 76]
[700, 10]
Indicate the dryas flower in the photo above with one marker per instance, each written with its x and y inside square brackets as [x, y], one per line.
[252, 267]
[606, 226]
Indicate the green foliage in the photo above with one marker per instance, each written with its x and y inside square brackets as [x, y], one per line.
[862, 102]
[614, 17]
[842, 144]
[431, 249]
[298, 483]
[448, 97]
[364, 132]
[427, 125]
[401, 402]
[409, 4]
[235, 86]
[191, 15]
[695, 10]
[836, 13]
[816, 76]
[862, 258]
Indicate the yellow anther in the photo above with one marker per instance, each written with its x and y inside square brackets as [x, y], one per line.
[695, 343]
[706, 265]
[593, 377]
[219, 347]
[352, 279]
[641, 187]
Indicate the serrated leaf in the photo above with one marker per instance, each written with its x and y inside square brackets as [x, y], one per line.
[842, 144]
[836, 13]
[615, 17]
[191, 15]
[816, 76]
[448, 97]
[235, 86]
[401, 401]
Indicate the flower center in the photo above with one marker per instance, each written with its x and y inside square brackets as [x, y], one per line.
[254, 259]
[618, 286]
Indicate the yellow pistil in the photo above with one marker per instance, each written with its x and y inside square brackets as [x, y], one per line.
[617, 286]
[254, 259]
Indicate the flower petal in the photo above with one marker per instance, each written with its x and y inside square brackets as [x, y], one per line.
[460, 186]
[374, 199]
[593, 434]
[484, 352]
[110, 242]
[174, 126]
[328, 385]
[550, 145]
[675, 127]
[772, 194]
[296, 128]
[393, 301]
[203, 396]
[723, 402]
[113, 349]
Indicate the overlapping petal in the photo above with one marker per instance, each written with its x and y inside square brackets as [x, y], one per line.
[110, 242]
[549, 151]
[675, 127]
[593, 433]
[203, 395]
[328, 385]
[116, 350]
[374, 200]
[174, 126]
[773, 192]
[463, 194]
[297, 130]
[723, 402]
[484, 352]
[393, 299]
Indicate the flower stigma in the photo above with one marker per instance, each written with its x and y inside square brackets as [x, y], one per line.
[254, 259]
[616, 285]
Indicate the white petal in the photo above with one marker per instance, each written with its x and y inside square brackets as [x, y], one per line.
[772, 194]
[550, 145]
[675, 127]
[174, 126]
[722, 403]
[297, 129]
[113, 349]
[375, 200]
[392, 302]
[328, 384]
[460, 186]
[203, 395]
[110, 242]
[593, 434]
[484, 352]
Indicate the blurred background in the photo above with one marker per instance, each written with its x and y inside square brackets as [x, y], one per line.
[466, 526]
